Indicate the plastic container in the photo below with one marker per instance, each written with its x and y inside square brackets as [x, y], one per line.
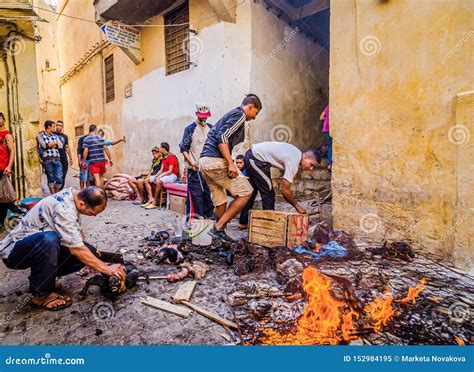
[198, 232]
[178, 229]
[29, 203]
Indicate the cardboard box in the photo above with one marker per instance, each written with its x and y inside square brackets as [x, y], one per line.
[177, 204]
[275, 228]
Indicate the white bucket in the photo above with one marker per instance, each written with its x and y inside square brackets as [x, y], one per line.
[198, 231]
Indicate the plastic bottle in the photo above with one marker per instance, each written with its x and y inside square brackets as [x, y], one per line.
[178, 230]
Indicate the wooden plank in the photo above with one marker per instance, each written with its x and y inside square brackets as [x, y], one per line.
[268, 232]
[210, 315]
[266, 241]
[267, 224]
[166, 306]
[277, 216]
[185, 291]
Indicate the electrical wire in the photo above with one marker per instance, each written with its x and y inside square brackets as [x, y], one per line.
[142, 25]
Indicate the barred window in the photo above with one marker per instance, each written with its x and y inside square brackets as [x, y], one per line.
[79, 130]
[177, 39]
[109, 78]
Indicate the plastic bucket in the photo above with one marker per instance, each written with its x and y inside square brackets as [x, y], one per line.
[198, 231]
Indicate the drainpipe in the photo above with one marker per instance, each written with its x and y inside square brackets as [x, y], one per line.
[19, 122]
[11, 125]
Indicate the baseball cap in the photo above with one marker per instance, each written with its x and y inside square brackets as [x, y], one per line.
[202, 110]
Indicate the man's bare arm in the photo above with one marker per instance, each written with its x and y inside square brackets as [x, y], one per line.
[289, 197]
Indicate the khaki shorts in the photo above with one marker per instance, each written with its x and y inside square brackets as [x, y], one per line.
[214, 171]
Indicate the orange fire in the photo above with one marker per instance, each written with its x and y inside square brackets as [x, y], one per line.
[459, 340]
[328, 320]
[380, 311]
[413, 292]
[323, 321]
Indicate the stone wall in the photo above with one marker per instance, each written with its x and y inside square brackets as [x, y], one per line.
[402, 154]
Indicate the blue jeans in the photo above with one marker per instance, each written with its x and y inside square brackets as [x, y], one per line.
[329, 138]
[198, 200]
[46, 257]
[54, 172]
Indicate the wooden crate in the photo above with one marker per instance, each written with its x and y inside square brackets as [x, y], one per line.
[275, 228]
[177, 204]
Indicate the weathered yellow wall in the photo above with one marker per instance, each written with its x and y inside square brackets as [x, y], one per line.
[395, 70]
[48, 78]
[26, 106]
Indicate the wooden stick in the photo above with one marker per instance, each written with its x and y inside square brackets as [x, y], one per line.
[152, 277]
[165, 306]
[210, 315]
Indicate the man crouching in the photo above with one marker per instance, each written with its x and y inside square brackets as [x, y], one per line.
[49, 240]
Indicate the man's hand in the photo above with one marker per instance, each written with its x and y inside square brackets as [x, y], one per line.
[83, 165]
[7, 171]
[194, 166]
[53, 144]
[232, 171]
[300, 209]
[117, 270]
[110, 163]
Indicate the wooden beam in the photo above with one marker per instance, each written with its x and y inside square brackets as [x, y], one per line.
[166, 306]
[210, 315]
[225, 9]
[185, 291]
[295, 14]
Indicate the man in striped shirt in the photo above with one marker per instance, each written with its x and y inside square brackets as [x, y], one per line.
[94, 151]
[218, 168]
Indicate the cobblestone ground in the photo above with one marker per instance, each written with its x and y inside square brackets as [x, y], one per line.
[121, 228]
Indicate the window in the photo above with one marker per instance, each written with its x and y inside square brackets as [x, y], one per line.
[79, 130]
[177, 40]
[109, 79]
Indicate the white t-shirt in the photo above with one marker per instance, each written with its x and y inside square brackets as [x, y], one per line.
[280, 155]
[56, 213]
[199, 137]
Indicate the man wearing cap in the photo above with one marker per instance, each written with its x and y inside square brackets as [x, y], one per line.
[198, 200]
[218, 168]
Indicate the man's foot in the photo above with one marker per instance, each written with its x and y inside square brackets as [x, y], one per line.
[151, 206]
[51, 302]
[242, 226]
[145, 204]
[220, 235]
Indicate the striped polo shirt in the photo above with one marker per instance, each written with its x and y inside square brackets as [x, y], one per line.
[95, 144]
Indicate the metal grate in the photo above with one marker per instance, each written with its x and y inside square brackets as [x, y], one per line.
[177, 40]
[109, 78]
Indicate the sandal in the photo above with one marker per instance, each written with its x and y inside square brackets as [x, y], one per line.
[46, 300]
[151, 206]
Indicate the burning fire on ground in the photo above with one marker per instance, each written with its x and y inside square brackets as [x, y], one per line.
[329, 321]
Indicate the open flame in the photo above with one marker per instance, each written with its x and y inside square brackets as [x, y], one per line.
[328, 320]
[413, 292]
